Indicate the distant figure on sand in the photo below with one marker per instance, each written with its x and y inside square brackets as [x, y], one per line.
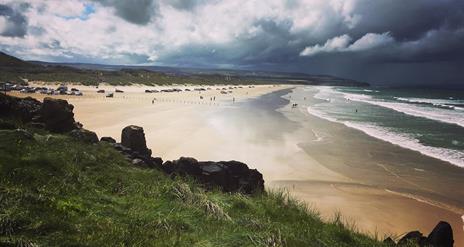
[294, 105]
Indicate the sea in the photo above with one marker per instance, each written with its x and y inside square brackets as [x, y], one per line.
[424, 120]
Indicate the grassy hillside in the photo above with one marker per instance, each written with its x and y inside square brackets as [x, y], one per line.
[16, 70]
[56, 191]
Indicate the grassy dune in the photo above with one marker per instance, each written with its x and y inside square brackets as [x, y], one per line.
[56, 191]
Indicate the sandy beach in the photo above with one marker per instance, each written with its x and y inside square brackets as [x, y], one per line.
[383, 188]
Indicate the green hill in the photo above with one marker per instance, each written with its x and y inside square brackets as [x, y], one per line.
[10, 61]
[57, 191]
[18, 71]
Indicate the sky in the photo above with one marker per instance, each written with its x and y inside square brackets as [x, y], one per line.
[385, 42]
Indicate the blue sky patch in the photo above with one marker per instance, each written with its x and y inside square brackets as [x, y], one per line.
[88, 10]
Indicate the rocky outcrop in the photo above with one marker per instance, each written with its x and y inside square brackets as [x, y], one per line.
[133, 137]
[84, 135]
[441, 236]
[136, 158]
[57, 115]
[108, 139]
[229, 176]
[24, 109]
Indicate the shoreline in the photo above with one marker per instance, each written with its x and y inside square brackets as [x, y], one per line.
[315, 160]
[386, 168]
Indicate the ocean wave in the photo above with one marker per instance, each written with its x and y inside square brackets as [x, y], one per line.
[442, 115]
[454, 157]
[442, 103]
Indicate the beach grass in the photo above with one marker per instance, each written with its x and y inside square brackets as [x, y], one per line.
[55, 191]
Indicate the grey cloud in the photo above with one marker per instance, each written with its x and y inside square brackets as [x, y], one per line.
[185, 4]
[408, 20]
[425, 41]
[139, 12]
[16, 25]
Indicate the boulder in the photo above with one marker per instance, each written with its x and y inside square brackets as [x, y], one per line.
[57, 115]
[84, 135]
[156, 162]
[183, 166]
[138, 162]
[230, 176]
[122, 149]
[133, 137]
[23, 108]
[108, 139]
[441, 235]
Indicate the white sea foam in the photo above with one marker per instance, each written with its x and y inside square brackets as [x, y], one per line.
[444, 103]
[442, 115]
[454, 157]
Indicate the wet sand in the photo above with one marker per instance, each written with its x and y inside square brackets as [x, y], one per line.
[390, 190]
[383, 188]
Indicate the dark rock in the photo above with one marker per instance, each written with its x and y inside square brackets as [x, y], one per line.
[84, 135]
[108, 139]
[233, 176]
[23, 108]
[121, 148]
[441, 235]
[415, 237]
[133, 137]
[183, 166]
[57, 115]
[389, 242]
[230, 176]
[156, 162]
[138, 162]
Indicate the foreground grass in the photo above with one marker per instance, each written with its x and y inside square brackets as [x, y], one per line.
[55, 191]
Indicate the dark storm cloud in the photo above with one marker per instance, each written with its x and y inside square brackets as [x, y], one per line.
[270, 42]
[423, 31]
[408, 20]
[138, 12]
[185, 4]
[386, 41]
[427, 37]
[16, 22]
[428, 45]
